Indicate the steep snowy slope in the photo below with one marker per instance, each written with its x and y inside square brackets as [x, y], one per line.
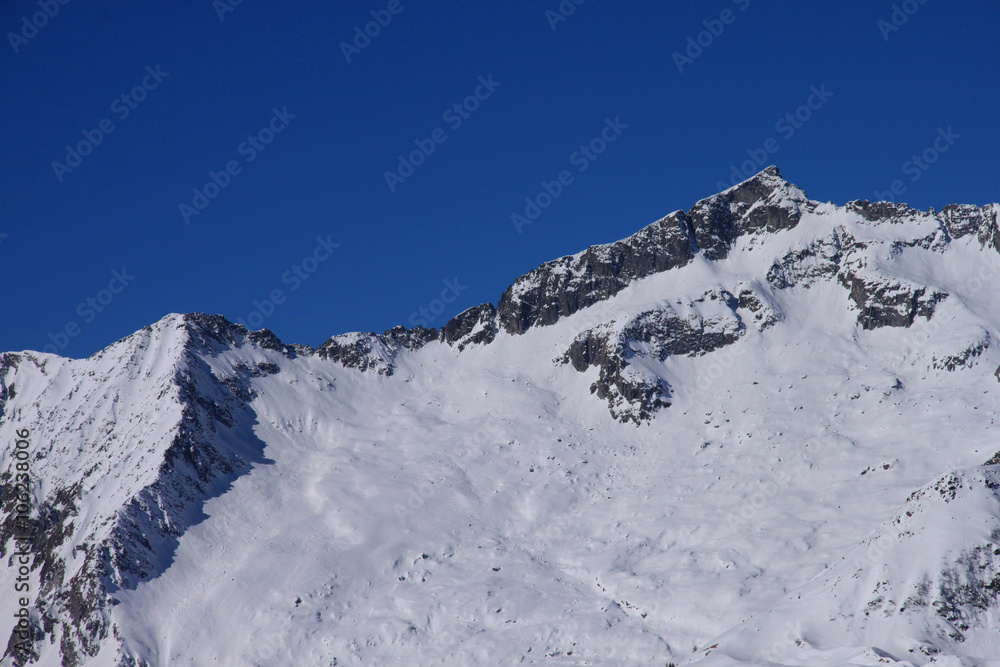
[760, 412]
[126, 444]
[924, 582]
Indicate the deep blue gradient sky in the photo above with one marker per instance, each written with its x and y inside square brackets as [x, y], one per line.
[323, 175]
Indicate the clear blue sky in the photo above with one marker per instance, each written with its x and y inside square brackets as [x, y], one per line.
[887, 94]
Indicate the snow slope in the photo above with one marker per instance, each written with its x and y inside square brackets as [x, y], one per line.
[753, 433]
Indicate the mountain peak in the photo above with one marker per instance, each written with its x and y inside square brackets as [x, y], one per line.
[766, 184]
[763, 203]
[791, 372]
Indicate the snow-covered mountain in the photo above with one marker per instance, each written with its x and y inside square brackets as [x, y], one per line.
[760, 431]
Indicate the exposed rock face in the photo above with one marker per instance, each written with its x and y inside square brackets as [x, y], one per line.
[477, 325]
[874, 211]
[376, 352]
[556, 289]
[622, 350]
[714, 231]
[77, 598]
[195, 467]
[890, 303]
[215, 331]
[564, 286]
[882, 302]
[761, 310]
[818, 260]
[961, 220]
[764, 203]
[974, 347]
[631, 394]
[967, 584]
[83, 560]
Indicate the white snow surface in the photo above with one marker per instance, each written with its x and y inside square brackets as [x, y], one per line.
[483, 507]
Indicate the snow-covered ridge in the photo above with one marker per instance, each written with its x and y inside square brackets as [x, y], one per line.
[791, 373]
[140, 435]
[857, 245]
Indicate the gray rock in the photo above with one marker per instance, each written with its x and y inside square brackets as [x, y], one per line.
[475, 326]
[566, 285]
[764, 203]
[633, 395]
[886, 303]
[196, 466]
[372, 351]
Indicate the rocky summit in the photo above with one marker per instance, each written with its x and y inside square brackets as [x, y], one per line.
[762, 430]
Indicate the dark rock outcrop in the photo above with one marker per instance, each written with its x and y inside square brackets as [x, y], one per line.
[213, 445]
[215, 332]
[631, 396]
[620, 349]
[876, 211]
[887, 303]
[712, 222]
[566, 285]
[966, 357]
[475, 326]
[882, 302]
[820, 259]
[372, 351]
[961, 220]
[762, 312]
[764, 203]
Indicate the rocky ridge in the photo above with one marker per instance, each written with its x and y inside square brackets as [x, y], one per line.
[202, 441]
[186, 432]
[763, 205]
